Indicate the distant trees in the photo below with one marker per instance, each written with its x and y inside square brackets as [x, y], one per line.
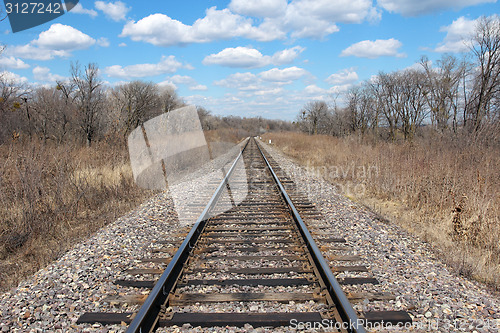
[448, 94]
[83, 109]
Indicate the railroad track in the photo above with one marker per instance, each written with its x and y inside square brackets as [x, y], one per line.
[257, 254]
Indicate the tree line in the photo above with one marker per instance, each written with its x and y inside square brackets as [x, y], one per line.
[84, 109]
[450, 95]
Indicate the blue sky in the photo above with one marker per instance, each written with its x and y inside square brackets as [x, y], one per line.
[249, 58]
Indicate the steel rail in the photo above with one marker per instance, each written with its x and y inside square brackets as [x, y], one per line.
[343, 305]
[147, 317]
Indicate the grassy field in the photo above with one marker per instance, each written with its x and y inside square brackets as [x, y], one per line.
[52, 196]
[446, 191]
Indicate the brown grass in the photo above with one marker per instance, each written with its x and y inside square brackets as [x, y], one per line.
[52, 196]
[445, 190]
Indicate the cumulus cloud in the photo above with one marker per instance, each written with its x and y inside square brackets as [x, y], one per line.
[13, 77]
[241, 81]
[59, 41]
[117, 10]
[63, 37]
[187, 80]
[374, 49]
[14, 63]
[284, 75]
[344, 76]
[43, 74]
[457, 34]
[277, 19]
[318, 18]
[259, 8]
[161, 30]
[246, 57]
[78, 9]
[166, 65]
[415, 8]
[104, 42]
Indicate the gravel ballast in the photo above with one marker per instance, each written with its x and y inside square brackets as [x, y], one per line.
[438, 300]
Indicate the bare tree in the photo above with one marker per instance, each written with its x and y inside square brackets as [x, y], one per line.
[443, 89]
[412, 107]
[89, 98]
[138, 102]
[360, 108]
[52, 113]
[169, 99]
[485, 47]
[389, 99]
[313, 117]
[11, 106]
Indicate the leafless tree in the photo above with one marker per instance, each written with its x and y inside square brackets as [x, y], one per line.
[52, 113]
[89, 99]
[314, 116]
[360, 108]
[485, 47]
[389, 99]
[443, 89]
[11, 106]
[169, 99]
[138, 102]
[412, 108]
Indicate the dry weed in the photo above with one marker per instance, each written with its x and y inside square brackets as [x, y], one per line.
[445, 190]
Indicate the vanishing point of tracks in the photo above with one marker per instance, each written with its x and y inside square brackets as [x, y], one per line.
[259, 251]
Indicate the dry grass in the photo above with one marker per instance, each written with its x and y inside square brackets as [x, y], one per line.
[445, 190]
[52, 196]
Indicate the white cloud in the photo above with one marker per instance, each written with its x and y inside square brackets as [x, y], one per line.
[374, 49]
[457, 33]
[14, 63]
[238, 57]
[78, 9]
[313, 89]
[259, 8]
[29, 51]
[168, 85]
[59, 41]
[283, 75]
[287, 56]
[246, 57]
[241, 81]
[317, 18]
[13, 77]
[166, 65]
[117, 10]
[161, 30]
[187, 80]
[198, 87]
[63, 37]
[183, 79]
[415, 8]
[104, 42]
[277, 20]
[344, 76]
[122, 45]
[43, 74]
